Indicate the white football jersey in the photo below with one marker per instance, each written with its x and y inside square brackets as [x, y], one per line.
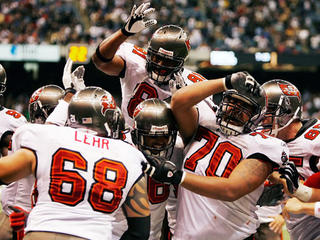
[10, 120]
[82, 179]
[162, 197]
[211, 153]
[15, 194]
[136, 86]
[305, 152]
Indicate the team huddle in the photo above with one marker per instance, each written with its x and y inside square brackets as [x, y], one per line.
[169, 163]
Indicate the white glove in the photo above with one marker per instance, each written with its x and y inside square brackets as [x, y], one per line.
[176, 83]
[77, 78]
[73, 80]
[136, 21]
[66, 78]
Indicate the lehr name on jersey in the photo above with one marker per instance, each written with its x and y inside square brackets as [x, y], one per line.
[92, 140]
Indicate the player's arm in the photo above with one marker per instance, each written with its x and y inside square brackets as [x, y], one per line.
[72, 82]
[104, 58]
[18, 165]
[248, 175]
[245, 178]
[295, 206]
[184, 100]
[137, 211]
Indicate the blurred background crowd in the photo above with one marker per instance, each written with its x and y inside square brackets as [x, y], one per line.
[246, 25]
[284, 26]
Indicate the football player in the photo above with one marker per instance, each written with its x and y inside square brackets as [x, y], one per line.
[10, 121]
[226, 164]
[84, 174]
[154, 73]
[155, 134]
[284, 120]
[41, 104]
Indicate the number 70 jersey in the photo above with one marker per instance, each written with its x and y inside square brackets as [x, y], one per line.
[136, 86]
[210, 153]
[81, 179]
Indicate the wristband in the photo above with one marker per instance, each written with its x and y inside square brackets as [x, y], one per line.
[179, 177]
[227, 82]
[70, 90]
[303, 193]
[317, 209]
[126, 33]
[102, 58]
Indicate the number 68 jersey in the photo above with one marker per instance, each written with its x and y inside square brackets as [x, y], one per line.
[210, 153]
[82, 179]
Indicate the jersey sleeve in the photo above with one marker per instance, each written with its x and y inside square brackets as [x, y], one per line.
[273, 149]
[22, 136]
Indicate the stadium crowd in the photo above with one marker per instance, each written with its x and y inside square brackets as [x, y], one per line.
[286, 26]
[114, 171]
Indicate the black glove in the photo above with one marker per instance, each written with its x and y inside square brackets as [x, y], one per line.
[136, 21]
[271, 195]
[289, 172]
[243, 81]
[162, 170]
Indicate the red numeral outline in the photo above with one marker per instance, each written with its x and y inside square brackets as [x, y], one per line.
[60, 176]
[196, 77]
[144, 89]
[13, 113]
[217, 155]
[139, 51]
[298, 161]
[153, 191]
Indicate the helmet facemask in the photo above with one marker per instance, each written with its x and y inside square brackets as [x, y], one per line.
[238, 114]
[155, 129]
[158, 143]
[284, 105]
[279, 116]
[167, 51]
[3, 80]
[43, 101]
[39, 113]
[161, 67]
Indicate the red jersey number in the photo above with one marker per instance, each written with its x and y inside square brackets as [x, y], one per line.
[144, 91]
[69, 187]
[157, 192]
[224, 159]
[13, 113]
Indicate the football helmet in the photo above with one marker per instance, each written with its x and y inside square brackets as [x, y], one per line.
[3, 80]
[284, 104]
[240, 112]
[167, 51]
[43, 101]
[95, 110]
[155, 129]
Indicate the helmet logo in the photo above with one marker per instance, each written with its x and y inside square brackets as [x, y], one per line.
[137, 110]
[107, 102]
[289, 90]
[166, 52]
[188, 44]
[35, 96]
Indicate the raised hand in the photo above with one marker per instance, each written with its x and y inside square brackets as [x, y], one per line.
[73, 80]
[176, 83]
[136, 22]
[243, 81]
